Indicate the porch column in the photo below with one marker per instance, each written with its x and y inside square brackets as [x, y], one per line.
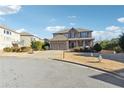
[76, 43]
[84, 43]
[91, 43]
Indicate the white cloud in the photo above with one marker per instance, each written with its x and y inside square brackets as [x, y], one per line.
[72, 24]
[113, 28]
[9, 9]
[21, 30]
[109, 33]
[121, 19]
[72, 17]
[54, 28]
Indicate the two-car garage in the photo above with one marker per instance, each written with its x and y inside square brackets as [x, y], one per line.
[58, 45]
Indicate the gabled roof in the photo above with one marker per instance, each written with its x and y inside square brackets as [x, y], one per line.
[7, 28]
[77, 29]
[25, 34]
[28, 34]
[59, 38]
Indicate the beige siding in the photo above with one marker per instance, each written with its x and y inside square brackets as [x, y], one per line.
[26, 40]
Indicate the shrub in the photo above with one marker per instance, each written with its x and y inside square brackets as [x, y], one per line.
[15, 49]
[81, 49]
[118, 49]
[25, 49]
[7, 49]
[97, 47]
[77, 49]
[87, 49]
[36, 45]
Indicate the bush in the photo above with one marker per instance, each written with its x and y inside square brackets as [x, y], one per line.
[36, 45]
[7, 49]
[81, 49]
[76, 49]
[87, 49]
[97, 47]
[15, 49]
[25, 49]
[118, 49]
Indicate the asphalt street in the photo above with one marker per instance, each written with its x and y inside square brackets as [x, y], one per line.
[32, 72]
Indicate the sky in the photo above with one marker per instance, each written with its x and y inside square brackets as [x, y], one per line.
[107, 22]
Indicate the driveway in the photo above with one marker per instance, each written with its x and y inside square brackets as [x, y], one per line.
[42, 71]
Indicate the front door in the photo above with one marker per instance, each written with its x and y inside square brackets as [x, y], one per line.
[71, 44]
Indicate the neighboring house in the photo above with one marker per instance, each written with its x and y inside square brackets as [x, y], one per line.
[70, 38]
[27, 38]
[8, 37]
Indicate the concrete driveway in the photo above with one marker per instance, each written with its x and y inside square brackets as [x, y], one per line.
[41, 71]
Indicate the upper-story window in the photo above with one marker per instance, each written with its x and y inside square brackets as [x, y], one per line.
[66, 35]
[10, 33]
[84, 34]
[72, 35]
[4, 31]
[7, 32]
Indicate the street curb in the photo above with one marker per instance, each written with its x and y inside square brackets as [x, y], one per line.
[113, 73]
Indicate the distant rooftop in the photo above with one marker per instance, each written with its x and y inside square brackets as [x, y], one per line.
[77, 29]
[25, 34]
[28, 34]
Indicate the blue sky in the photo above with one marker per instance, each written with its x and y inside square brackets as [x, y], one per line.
[43, 20]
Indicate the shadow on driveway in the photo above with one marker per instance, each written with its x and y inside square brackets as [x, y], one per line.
[106, 77]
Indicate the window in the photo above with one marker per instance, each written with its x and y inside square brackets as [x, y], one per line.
[66, 35]
[72, 35]
[10, 33]
[84, 34]
[7, 32]
[4, 31]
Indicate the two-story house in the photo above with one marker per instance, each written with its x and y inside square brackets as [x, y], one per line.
[70, 38]
[8, 37]
[26, 39]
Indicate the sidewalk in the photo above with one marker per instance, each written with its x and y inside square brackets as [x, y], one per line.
[106, 65]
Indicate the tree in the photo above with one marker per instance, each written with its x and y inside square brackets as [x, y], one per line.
[109, 44]
[36, 45]
[46, 46]
[121, 41]
[97, 47]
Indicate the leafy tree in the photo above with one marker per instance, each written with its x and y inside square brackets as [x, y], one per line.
[46, 46]
[121, 41]
[36, 45]
[109, 44]
[97, 47]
